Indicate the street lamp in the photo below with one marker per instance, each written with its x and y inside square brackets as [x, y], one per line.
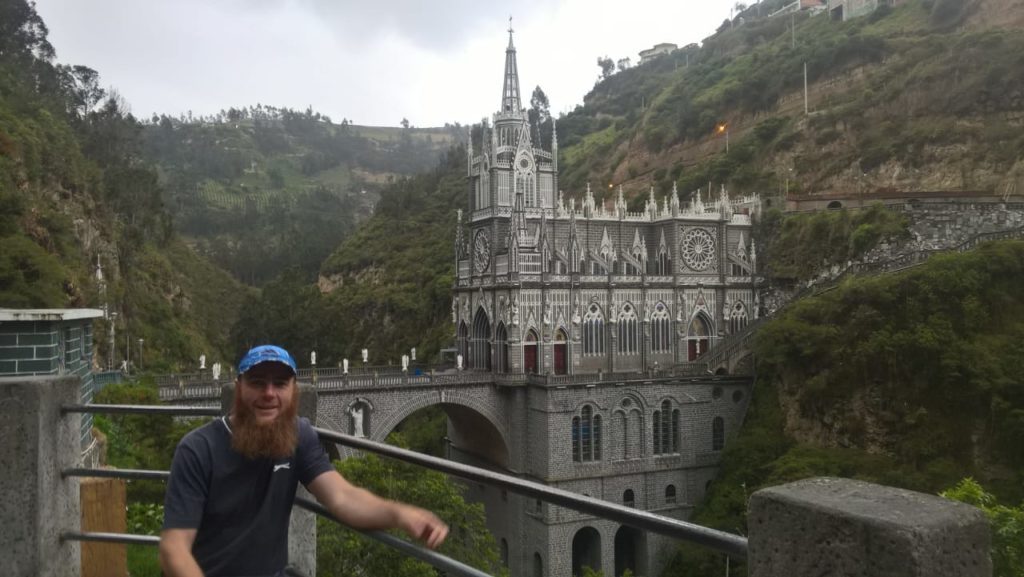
[140, 353]
[724, 128]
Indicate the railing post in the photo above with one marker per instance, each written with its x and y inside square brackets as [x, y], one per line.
[828, 526]
[38, 504]
[302, 530]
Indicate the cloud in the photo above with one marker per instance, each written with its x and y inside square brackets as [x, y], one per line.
[438, 27]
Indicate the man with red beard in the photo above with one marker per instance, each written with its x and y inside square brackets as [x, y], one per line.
[233, 481]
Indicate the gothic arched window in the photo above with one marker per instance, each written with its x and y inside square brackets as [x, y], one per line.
[717, 434]
[501, 349]
[664, 267]
[737, 317]
[661, 330]
[629, 331]
[629, 498]
[480, 344]
[593, 331]
[586, 436]
[670, 494]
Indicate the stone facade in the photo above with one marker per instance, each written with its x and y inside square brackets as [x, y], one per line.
[527, 429]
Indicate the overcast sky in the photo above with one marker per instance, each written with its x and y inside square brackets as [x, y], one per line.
[371, 61]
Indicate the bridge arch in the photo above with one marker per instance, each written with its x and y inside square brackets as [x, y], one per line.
[476, 424]
[586, 550]
[630, 544]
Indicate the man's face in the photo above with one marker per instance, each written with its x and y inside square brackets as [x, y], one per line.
[266, 392]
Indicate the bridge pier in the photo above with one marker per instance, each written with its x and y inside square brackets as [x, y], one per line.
[829, 526]
[37, 503]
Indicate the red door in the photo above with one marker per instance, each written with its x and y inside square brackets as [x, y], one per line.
[560, 354]
[530, 358]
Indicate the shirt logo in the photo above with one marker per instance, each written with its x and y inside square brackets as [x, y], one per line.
[282, 466]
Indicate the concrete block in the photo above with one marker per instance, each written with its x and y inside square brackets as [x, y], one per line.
[37, 339]
[38, 505]
[44, 366]
[11, 353]
[829, 526]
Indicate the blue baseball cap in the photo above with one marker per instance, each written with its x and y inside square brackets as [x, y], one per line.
[266, 354]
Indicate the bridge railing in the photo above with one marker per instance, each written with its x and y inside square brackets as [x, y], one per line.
[842, 526]
[398, 378]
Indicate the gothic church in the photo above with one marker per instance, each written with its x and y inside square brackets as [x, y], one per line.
[585, 301]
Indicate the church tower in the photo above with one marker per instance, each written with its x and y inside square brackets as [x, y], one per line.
[586, 315]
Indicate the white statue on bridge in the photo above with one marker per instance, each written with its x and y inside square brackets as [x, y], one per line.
[202, 362]
[357, 420]
[216, 371]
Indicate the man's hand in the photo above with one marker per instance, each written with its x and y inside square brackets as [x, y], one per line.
[422, 525]
[361, 509]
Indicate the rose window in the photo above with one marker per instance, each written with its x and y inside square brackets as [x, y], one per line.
[698, 249]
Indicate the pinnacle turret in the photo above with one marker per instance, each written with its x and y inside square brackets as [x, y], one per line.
[510, 100]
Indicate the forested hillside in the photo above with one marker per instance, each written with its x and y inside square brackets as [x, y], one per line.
[262, 189]
[77, 194]
[911, 380]
[928, 95]
[386, 288]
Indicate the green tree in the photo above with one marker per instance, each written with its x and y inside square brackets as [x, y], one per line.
[1007, 525]
[342, 552]
[539, 103]
[607, 67]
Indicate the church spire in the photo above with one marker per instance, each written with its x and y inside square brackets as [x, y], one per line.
[510, 101]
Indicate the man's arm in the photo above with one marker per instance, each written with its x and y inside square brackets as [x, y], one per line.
[361, 509]
[176, 558]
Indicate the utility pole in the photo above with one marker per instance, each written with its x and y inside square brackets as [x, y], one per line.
[805, 88]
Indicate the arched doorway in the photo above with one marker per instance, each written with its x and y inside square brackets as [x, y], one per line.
[501, 349]
[629, 546]
[586, 550]
[561, 352]
[480, 345]
[530, 353]
[698, 337]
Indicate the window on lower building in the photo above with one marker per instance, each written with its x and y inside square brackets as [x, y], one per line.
[717, 434]
[670, 494]
[628, 499]
[586, 436]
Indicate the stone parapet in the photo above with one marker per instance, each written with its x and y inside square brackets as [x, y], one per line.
[38, 504]
[829, 526]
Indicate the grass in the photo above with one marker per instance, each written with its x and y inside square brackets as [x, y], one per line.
[143, 561]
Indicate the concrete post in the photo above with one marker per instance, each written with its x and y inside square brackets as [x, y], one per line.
[828, 526]
[302, 528]
[37, 504]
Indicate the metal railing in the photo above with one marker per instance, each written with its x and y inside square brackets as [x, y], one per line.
[730, 544]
